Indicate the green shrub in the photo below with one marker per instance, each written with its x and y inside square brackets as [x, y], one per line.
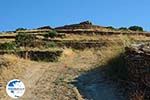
[21, 29]
[25, 39]
[111, 27]
[51, 34]
[135, 28]
[51, 44]
[123, 28]
[8, 46]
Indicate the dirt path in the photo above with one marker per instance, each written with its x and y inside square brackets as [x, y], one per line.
[30, 77]
[94, 86]
[59, 80]
[54, 85]
[48, 81]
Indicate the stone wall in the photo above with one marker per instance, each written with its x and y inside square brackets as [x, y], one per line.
[47, 56]
[137, 59]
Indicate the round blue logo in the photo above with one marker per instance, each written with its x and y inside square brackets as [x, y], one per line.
[15, 88]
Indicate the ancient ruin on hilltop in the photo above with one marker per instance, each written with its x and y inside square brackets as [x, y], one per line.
[82, 25]
[45, 27]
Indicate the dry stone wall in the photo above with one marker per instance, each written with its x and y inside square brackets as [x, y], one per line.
[138, 63]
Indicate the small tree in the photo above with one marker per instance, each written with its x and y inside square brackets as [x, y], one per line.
[111, 27]
[21, 29]
[135, 28]
[50, 44]
[51, 34]
[25, 39]
[123, 28]
[8, 46]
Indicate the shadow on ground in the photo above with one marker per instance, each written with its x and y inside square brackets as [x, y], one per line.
[102, 82]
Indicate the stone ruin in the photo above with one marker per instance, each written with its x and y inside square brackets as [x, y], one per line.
[86, 23]
[137, 59]
[81, 25]
[45, 27]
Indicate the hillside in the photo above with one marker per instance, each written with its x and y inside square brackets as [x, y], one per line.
[72, 62]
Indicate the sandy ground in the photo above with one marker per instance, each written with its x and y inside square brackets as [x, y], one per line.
[74, 77]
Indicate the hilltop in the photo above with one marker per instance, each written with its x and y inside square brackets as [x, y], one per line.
[82, 26]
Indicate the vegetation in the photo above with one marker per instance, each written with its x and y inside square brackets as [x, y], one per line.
[51, 34]
[135, 28]
[8, 46]
[109, 56]
[25, 39]
[21, 29]
[123, 28]
[132, 28]
[51, 44]
[111, 27]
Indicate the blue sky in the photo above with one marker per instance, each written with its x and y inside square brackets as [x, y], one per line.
[36, 13]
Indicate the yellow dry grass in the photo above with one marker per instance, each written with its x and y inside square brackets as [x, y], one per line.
[102, 37]
[11, 67]
[6, 40]
[79, 59]
[115, 45]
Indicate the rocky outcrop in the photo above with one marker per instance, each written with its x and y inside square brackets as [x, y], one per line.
[138, 63]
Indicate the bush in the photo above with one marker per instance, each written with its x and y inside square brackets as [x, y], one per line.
[8, 46]
[135, 28]
[110, 27]
[25, 39]
[51, 34]
[21, 29]
[51, 45]
[123, 28]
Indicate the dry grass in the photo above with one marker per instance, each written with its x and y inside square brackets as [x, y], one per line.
[102, 37]
[11, 67]
[80, 59]
[6, 40]
[74, 59]
[115, 46]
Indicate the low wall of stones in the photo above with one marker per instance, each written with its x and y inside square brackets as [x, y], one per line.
[77, 44]
[47, 56]
[81, 45]
[137, 59]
